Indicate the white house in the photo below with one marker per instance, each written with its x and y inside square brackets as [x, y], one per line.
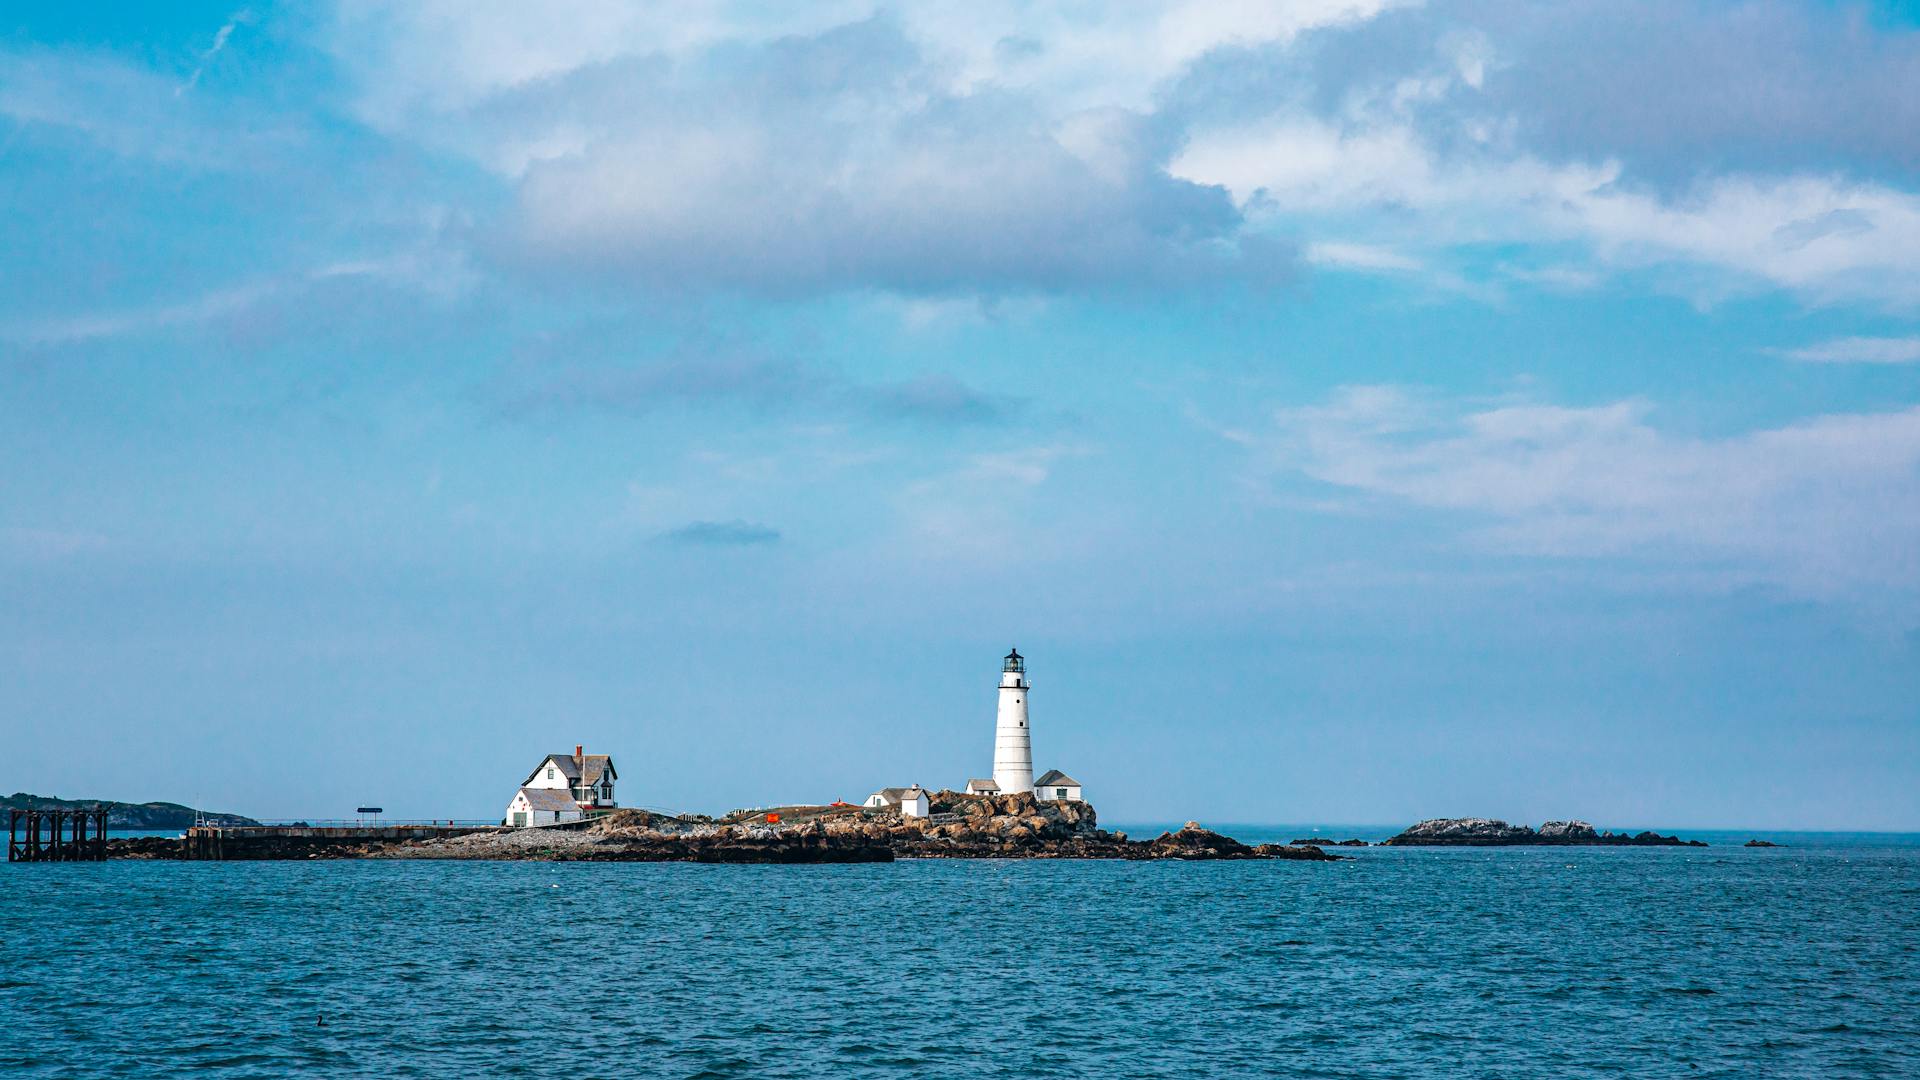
[1056, 785]
[910, 801]
[587, 777]
[542, 806]
[564, 787]
[982, 787]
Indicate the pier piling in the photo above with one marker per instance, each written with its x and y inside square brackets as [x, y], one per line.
[71, 835]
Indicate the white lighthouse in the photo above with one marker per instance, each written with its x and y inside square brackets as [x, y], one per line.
[1012, 741]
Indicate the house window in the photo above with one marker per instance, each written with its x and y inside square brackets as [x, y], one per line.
[1059, 793]
[549, 772]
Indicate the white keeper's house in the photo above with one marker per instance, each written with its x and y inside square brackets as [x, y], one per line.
[564, 788]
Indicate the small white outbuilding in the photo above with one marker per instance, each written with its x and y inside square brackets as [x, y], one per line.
[910, 801]
[1056, 786]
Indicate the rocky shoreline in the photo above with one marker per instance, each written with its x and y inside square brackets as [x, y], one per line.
[1487, 832]
[960, 826]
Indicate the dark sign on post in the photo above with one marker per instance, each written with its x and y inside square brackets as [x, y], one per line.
[370, 810]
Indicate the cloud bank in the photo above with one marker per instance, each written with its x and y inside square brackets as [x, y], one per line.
[919, 149]
[1822, 507]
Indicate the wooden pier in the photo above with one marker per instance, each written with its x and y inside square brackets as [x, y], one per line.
[57, 835]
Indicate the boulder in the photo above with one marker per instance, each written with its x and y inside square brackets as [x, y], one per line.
[1306, 852]
[1567, 830]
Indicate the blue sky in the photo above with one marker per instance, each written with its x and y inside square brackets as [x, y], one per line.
[1357, 411]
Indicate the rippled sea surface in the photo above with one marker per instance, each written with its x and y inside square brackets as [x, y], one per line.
[1726, 961]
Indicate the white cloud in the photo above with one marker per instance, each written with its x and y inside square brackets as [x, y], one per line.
[424, 269]
[1359, 257]
[220, 38]
[100, 325]
[1858, 350]
[982, 512]
[134, 111]
[1822, 506]
[436, 57]
[915, 148]
[1824, 236]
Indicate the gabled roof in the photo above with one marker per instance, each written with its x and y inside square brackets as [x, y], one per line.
[549, 799]
[570, 768]
[1056, 778]
[894, 796]
[983, 785]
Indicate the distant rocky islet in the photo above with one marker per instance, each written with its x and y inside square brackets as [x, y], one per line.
[1489, 832]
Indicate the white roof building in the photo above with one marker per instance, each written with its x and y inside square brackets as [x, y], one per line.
[982, 787]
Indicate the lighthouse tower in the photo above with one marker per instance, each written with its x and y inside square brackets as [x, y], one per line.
[1012, 740]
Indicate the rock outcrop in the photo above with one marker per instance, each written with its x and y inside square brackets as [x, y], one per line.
[1568, 832]
[1487, 832]
[1761, 843]
[1321, 841]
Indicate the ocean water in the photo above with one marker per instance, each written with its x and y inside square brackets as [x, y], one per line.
[1519, 962]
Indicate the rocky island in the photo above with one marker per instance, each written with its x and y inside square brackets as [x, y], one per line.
[961, 826]
[122, 815]
[1487, 832]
